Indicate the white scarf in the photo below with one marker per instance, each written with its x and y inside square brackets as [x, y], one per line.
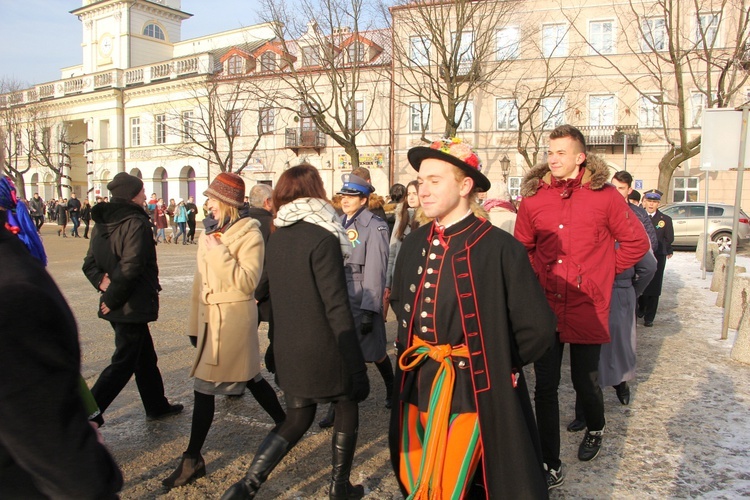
[315, 211]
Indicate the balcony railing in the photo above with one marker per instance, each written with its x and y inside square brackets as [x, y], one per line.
[116, 78]
[297, 138]
[612, 136]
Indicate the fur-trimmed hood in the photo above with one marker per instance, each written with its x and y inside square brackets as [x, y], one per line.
[595, 176]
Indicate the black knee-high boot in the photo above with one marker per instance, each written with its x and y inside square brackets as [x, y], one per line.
[386, 371]
[341, 488]
[270, 453]
[266, 397]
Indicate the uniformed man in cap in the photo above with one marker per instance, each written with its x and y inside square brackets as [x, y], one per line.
[365, 274]
[649, 301]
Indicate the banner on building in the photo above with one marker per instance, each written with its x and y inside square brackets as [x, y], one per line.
[367, 160]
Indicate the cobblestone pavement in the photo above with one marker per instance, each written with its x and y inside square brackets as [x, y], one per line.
[686, 432]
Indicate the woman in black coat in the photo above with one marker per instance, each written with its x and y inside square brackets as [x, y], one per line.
[317, 354]
[86, 217]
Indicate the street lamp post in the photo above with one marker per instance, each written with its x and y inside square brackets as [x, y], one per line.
[505, 166]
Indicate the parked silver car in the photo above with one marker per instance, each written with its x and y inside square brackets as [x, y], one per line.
[687, 219]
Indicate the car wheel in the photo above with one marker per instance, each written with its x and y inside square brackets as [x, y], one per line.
[724, 240]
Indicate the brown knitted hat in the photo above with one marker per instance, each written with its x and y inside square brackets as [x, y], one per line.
[229, 188]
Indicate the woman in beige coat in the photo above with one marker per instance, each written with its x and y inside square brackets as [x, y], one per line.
[223, 318]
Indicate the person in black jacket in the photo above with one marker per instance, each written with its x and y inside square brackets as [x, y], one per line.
[74, 210]
[86, 217]
[121, 263]
[318, 358]
[47, 447]
[649, 301]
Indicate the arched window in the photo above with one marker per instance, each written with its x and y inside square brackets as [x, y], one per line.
[234, 65]
[154, 31]
[164, 185]
[189, 174]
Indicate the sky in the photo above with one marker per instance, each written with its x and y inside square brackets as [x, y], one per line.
[39, 37]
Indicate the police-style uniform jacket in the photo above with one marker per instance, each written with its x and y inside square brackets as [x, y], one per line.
[365, 276]
[665, 237]
[473, 284]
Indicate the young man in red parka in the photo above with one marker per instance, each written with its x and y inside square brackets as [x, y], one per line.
[569, 220]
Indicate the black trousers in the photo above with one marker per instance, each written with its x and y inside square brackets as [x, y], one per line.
[38, 221]
[134, 355]
[584, 372]
[86, 231]
[191, 229]
[648, 304]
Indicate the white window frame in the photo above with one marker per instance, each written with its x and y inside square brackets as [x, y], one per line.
[267, 117]
[709, 21]
[649, 113]
[268, 61]
[602, 41]
[514, 187]
[506, 114]
[355, 52]
[419, 112]
[654, 31]
[697, 105]
[508, 43]
[310, 56]
[557, 46]
[155, 32]
[234, 123]
[160, 129]
[188, 126]
[684, 187]
[235, 65]
[419, 50]
[467, 121]
[553, 112]
[465, 54]
[135, 131]
[602, 110]
[356, 117]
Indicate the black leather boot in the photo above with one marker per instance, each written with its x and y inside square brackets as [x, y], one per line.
[270, 453]
[343, 455]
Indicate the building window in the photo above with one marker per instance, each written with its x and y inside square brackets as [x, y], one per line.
[154, 31]
[514, 187]
[601, 37]
[507, 114]
[684, 189]
[268, 61]
[697, 104]
[464, 48]
[649, 113]
[160, 132]
[654, 34]
[234, 123]
[420, 117]
[310, 56]
[266, 120]
[356, 116]
[555, 40]
[508, 43]
[135, 132]
[465, 116]
[356, 52]
[235, 65]
[601, 110]
[419, 50]
[46, 138]
[706, 30]
[188, 127]
[553, 112]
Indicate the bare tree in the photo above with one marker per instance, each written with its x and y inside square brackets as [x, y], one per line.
[454, 55]
[680, 46]
[15, 127]
[332, 69]
[50, 142]
[210, 122]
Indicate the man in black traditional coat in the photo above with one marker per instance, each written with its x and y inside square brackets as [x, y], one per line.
[471, 314]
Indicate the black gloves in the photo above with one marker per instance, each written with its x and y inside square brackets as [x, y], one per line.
[193, 340]
[366, 325]
[360, 387]
[268, 358]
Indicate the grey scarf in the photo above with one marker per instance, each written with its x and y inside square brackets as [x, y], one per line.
[315, 211]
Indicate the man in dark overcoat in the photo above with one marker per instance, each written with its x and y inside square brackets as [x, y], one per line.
[121, 264]
[648, 303]
[470, 310]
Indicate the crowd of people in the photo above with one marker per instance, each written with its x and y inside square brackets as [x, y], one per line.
[479, 285]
